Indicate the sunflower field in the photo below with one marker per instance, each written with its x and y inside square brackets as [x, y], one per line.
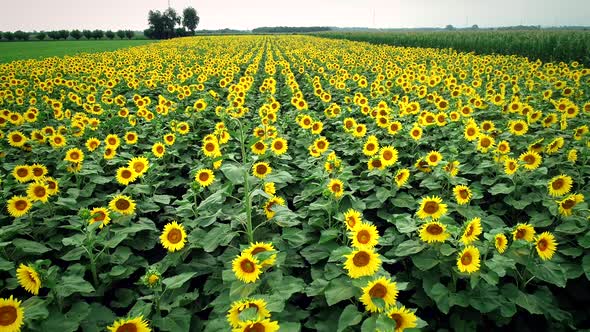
[293, 183]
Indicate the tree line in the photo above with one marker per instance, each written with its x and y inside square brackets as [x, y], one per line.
[169, 24]
[65, 34]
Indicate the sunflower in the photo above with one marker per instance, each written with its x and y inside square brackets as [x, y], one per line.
[52, 185]
[352, 218]
[131, 137]
[524, 232]
[100, 214]
[336, 187]
[404, 318]
[433, 232]
[259, 305]
[388, 155]
[362, 263]
[501, 242]
[258, 148]
[518, 127]
[471, 132]
[349, 124]
[264, 325]
[16, 139]
[22, 173]
[472, 231]
[432, 207]
[74, 155]
[57, 141]
[246, 268]
[136, 324]
[531, 160]
[381, 288]
[401, 177]
[546, 245]
[364, 235]
[158, 149]
[321, 145]
[452, 168]
[462, 194]
[416, 133]
[173, 237]
[182, 128]
[317, 127]
[503, 147]
[126, 175]
[204, 177]
[560, 185]
[555, 145]
[433, 158]
[38, 171]
[112, 141]
[38, 191]
[468, 260]
[510, 166]
[122, 204]
[11, 315]
[139, 165]
[18, 206]
[394, 127]
[259, 247]
[29, 279]
[485, 143]
[567, 204]
[371, 146]
[279, 146]
[268, 206]
[572, 156]
[261, 170]
[269, 188]
[375, 163]
[360, 130]
[109, 153]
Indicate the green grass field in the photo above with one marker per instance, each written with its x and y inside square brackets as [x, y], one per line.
[10, 51]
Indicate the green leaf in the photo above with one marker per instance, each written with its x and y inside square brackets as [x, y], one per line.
[178, 280]
[220, 235]
[550, 272]
[501, 188]
[440, 294]
[409, 247]
[30, 247]
[290, 327]
[35, 309]
[586, 265]
[233, 172]
[369, 325]
[71, 284]
[177, 320]
[99, 317]
[350, 316]
[162, 199]
[425, 260]
[338, 290]
[6, 265]
[499, 264]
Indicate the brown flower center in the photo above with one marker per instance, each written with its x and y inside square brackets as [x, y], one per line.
[112, 141]
[39, 191]
[256, 327]
[21, 205]
[8, 315]
[370, 147]
[210, 147]
[74, 155]
[361, 259]
[321, 145]
[431, 207]
[174, 236]
[122, 204]
[542, 244]
[138, 166]
[37, 171]
[470, 131]
[434, 229]
[378, 291]
[278, 145]
[398, 320]
[387, 155]
[568, 204]
[127, 327]
[518, 127]
[466, 258]
[261, 169]
[17, 138]
[529, 159]
[520, 233]
[485, 142]
[376, 163]
[363, 236]
[247, 266]
[160, 149]
[22, 172]
[463, 194]
[558, 184]
[204, 176]
[126, 174]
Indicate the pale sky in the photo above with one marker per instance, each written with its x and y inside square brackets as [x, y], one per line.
[29, 15]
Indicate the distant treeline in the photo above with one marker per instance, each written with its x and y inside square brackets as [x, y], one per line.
[66, 34]
[546, 45]
[290, 29]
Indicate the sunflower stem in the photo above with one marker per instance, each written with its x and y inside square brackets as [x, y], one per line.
[247, 201]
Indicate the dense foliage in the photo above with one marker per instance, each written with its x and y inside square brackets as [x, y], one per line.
[246, 183]
[546, 45]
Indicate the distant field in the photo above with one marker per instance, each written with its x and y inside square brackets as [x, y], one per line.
[561, 45]
[10, 51]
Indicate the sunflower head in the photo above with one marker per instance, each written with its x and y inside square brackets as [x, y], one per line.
[246, 268]
[524, 232]
[500, 242]
[404, 318]
[28, 278]
[472, 230]
[136, 324]
[364, 235]
[401, 177]
[336, 187]
[260, 249]
[122, 204]
[173, 237]
[431, 207]
[11, 315]
[462, 194]
[245, 310]
[546, 245]
[18, 206]
[152, 278]
[434, 232]
[468, 260]
[204, 177]
[560, 185]
[101, 215]
[362, 263]
[379, 294]
[261, 170]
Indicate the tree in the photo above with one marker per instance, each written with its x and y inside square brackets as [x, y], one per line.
[52, 34]
[97, 34]
[40, 35]
[475, 27]
[129, 34]
[87, 34]
[162, 25]
[21, 35]
[449, 27]
[120, 34]
[9, 35]
[76, 34]
[110, 35]
[190, 19]
[171, 19]
[64, 34]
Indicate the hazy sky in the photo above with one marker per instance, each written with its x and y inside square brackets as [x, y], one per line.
[31, 15]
